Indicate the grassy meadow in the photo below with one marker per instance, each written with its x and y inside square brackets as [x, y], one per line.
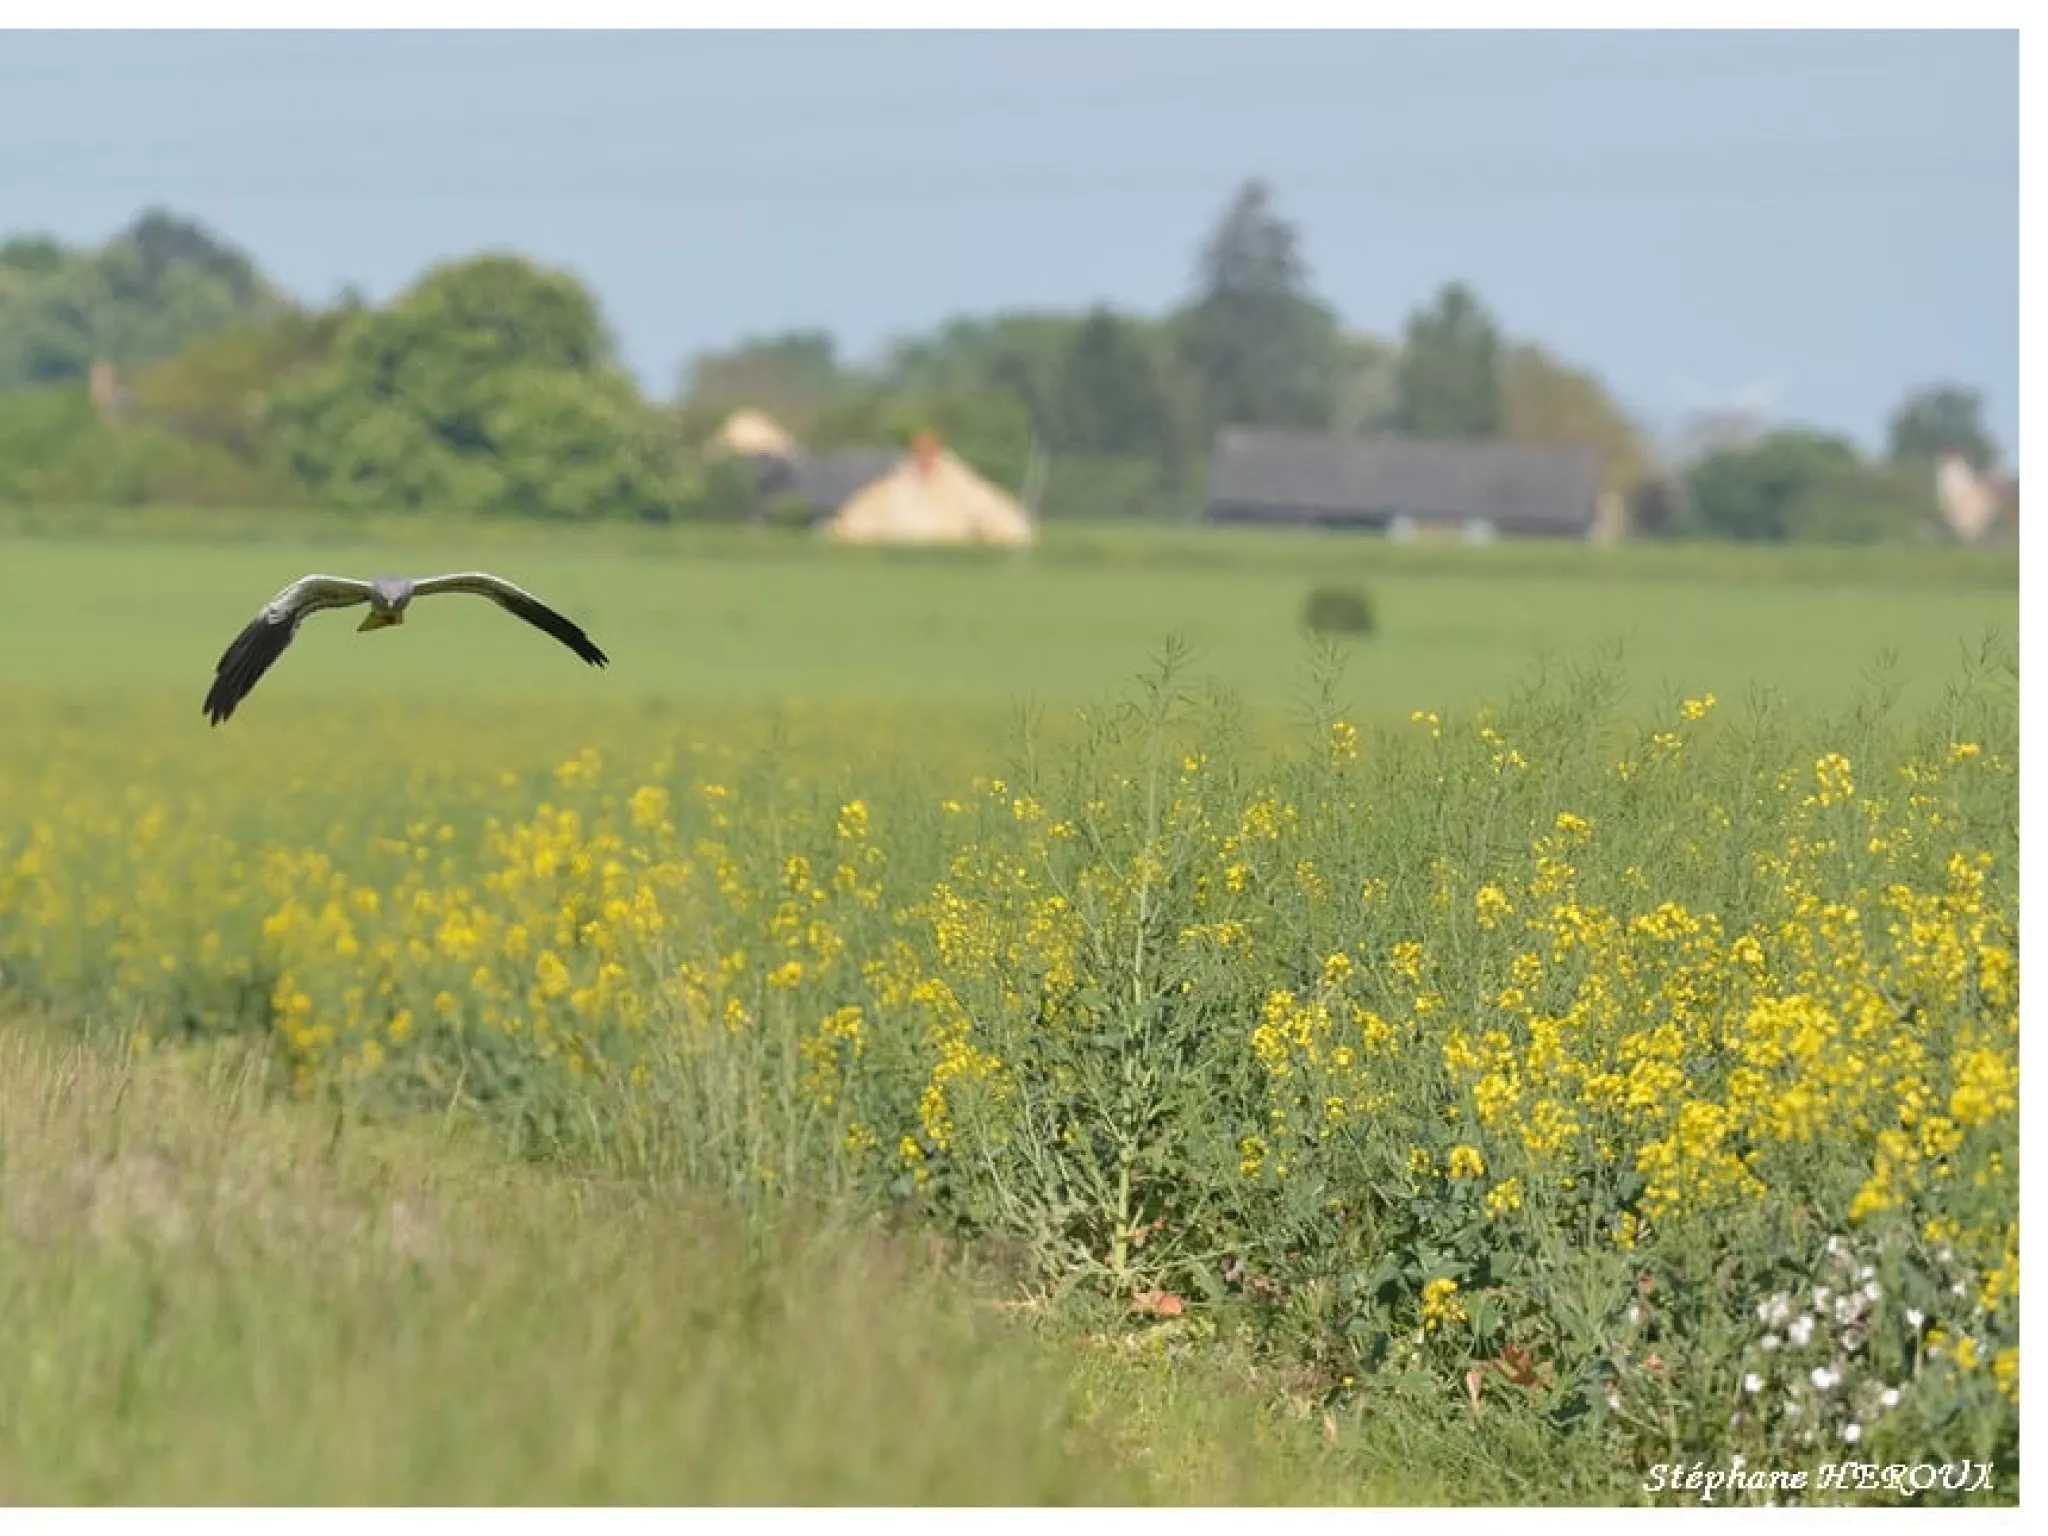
[749, 618]
[1571, 1029]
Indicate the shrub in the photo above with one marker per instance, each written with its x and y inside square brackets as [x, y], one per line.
[1340, 611]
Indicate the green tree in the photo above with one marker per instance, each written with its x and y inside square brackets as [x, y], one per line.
[1109, 397]
[1864, 503]
[164, 244]
[490, 385]
[1942, 419]
[990, 429]
[55, 451]
[1018, 356]
[1020, 349]
[574, 446]
[1546, 401]
[1799, 484]
[1262, 349]
[795, 377]
[1449, 381]
[30, 256]
[1366, 397]
[158, 285]
[219, 389]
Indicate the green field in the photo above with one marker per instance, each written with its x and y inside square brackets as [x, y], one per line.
[799, 1077]
[775, 618]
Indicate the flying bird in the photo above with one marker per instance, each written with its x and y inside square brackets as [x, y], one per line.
[266, 636]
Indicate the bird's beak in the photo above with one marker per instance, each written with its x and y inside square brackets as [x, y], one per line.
[378, 619]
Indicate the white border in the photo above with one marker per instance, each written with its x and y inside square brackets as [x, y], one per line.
[1041, 14]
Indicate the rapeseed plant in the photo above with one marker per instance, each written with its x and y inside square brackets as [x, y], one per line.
[1563, 1053]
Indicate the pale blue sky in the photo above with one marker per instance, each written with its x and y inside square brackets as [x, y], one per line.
[1818, 219]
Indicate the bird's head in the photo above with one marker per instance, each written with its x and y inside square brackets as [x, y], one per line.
[388, 597]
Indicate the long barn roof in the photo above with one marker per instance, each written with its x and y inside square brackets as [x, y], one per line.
[1263, 474]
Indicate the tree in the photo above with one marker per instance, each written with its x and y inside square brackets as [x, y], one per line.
[990, 429]
[158, 285]
[1018, 355]
[219, 389]
[1545, 401]
[1799, 484]
[1366, 398]
[795, 377]
[1449, 382]
[578, 446]
[1109, 399]
[489, 385]
[1864, 503]
[55, 450]
[1263, 350]
[25, 256]
[163, 243]
[1942, 419]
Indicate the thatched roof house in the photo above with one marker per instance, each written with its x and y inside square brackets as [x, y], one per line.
[931, 497]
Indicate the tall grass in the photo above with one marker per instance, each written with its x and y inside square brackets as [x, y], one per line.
[212, 1298]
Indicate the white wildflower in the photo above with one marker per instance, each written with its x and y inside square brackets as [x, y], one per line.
[1771, 1341]
[1873, 1290]
[1915, 1317]
[1801, 1330]
[1820, 1296]
[1889, 1397]
[1852, 1432]
[1752, 1383]
[1825, 1376]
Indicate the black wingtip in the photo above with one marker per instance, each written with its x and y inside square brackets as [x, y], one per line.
[243, 664]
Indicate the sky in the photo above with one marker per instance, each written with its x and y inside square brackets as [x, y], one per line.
[1807, 224]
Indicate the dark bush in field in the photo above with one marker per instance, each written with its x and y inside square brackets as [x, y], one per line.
[1340, 611]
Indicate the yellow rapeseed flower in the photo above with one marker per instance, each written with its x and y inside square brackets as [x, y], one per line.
[1441, 1307]
[1491, 904]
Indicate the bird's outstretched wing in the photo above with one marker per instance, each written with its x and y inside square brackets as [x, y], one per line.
[265, 637]
[518, 601]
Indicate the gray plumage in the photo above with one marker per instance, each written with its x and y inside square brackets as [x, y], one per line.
[265, 637]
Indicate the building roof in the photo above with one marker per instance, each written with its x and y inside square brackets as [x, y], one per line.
[931, 497]
[753, 433]
[828, 480]
[1265, 475]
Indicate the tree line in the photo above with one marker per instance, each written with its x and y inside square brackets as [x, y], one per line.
[493, 385]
